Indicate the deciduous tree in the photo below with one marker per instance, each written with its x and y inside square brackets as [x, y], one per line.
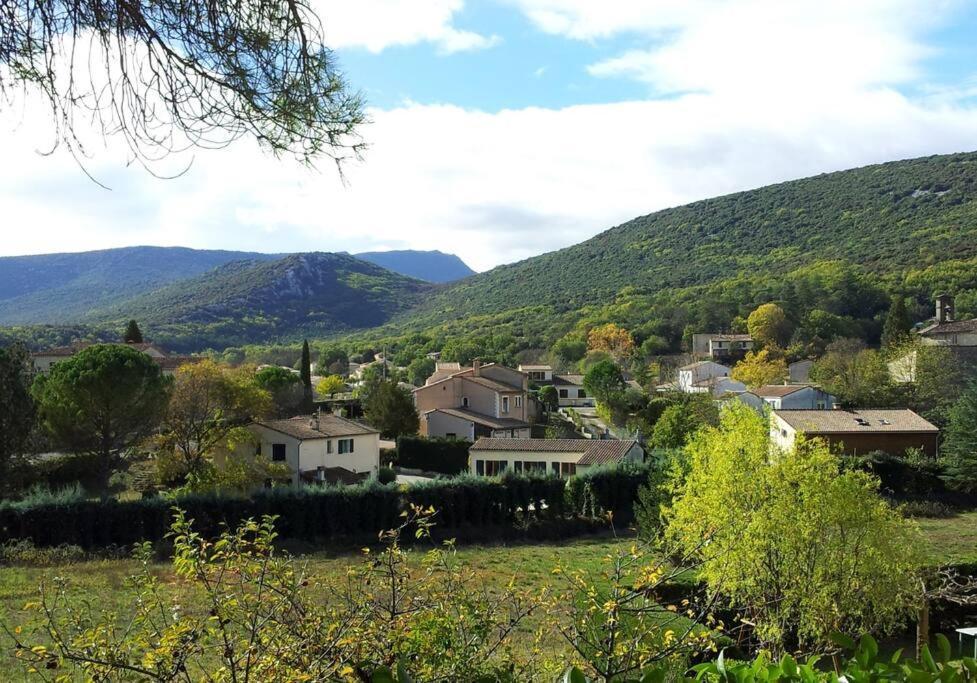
[759, 368]
[102, 401]
[604, 381]
[768, 325]
[285, 388]
[858, 376]
[611, 339]
[803, 548]
[208, 404]
[329, 385]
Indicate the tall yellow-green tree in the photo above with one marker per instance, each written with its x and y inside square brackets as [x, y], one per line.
[612, 339]
[800, 546]
[768, 325]
[759, 368]
[208, 405]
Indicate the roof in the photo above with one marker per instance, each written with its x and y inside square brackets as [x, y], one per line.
[335, 475]
[329, 426]
[780, 390]
[700, 364]
[482, 419]
[491, 384]
[592, 451]
[952, 327]
[570, 380]
[847, 421]
[468, 373]
[535, 367]
[731, 337]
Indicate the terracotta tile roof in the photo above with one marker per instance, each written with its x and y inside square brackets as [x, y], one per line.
[592, 451]
[843, 421]
[329, 426]
[952, 327]
[479, 418]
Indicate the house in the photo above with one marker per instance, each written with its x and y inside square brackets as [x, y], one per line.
[718, 346]
[570, 392]
[45, 360]
[856, 431]
[481, 400]
[565, 457]
[796, 397]
[799, 372]
[706, 377]
[540, 374]
[944, 330]
[323, 448]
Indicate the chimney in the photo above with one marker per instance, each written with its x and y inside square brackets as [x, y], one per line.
[314, 424]
[944, 309]
[477, 367]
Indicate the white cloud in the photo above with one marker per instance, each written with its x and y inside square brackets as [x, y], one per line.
[764, 93]
[378, 24]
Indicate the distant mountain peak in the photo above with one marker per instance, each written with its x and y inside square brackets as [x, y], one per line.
[430, 266]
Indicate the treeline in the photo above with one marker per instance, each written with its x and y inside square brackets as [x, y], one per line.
[467, 506]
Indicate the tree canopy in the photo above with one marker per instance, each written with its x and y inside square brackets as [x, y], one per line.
[133, 335]
[390, 409]
[759, 368]
[169, 74]
[604, 380]
[802, 547]
[17, 411]
[103, 400]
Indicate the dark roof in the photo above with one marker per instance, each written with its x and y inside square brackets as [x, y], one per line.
[842, 421]
[568, 380]
[482, 419]
[336, 475]
[592, 451]
[780, 390]
[330, 425]
[952, 327]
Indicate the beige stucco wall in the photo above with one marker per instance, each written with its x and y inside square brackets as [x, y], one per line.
[442, 424]
[635, 454]
[308, 455]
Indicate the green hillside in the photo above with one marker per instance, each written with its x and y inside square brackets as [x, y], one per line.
[315, 294]
[840, 242]
[66, 288]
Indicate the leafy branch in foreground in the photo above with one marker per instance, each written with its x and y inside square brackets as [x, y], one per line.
[170, 74]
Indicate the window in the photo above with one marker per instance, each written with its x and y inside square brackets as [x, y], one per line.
[556, 468]
[505, 404]
[517, 466]
[345, 446]
[328, 446]
[257, 449]
[464, 401]
[494, 468]
[278, 452]
[821, 405]
[480, 467]
[518, 401]
[564, 393]
[581, 393]
[450, 435]
[567, 469]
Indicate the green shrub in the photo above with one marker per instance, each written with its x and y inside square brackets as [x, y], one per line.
[447, 456]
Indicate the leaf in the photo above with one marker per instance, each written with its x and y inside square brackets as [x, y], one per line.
[842, 640]
[402, 675]
[382, 675]
[943, 647]
[573, 675]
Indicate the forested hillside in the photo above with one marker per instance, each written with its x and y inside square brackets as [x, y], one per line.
[840, 242]
[61, 288]
[430, 266]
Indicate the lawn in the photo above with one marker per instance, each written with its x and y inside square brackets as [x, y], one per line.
[952, 540]
[103, 581]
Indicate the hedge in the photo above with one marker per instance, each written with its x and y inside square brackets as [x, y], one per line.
[311, 514]
[447, 456]
[610, 489]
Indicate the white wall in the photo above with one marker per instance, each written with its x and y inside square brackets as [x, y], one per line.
[308, 455]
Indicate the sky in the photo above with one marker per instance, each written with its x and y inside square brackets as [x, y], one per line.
[502, 129]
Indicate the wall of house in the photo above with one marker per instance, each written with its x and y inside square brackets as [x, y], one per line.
[308, 455]
[510, 457]
[807, 399]
[522, 433]
[364, 458]
[952, 339]
[499, 373]
[782, 435]
[890, 442]
[436, 424]
[573, 398]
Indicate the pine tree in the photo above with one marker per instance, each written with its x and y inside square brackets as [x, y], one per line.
[133, 334]
[960, 445]
[306, 374]
[896, 328]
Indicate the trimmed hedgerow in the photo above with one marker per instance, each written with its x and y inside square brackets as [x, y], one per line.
[447, 456]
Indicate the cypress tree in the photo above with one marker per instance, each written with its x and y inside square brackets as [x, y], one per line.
[133, 334]
[306, 374]
[897, 324]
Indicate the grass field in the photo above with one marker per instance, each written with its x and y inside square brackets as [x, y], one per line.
[950, 540]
